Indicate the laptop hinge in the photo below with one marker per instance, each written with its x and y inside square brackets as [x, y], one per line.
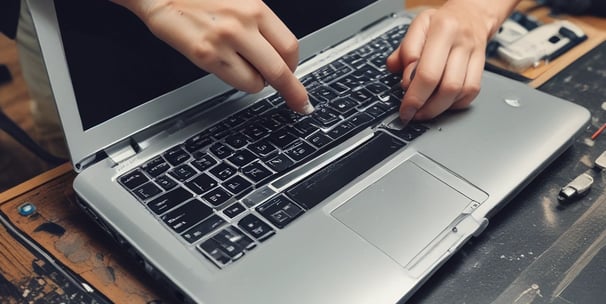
[124, 150]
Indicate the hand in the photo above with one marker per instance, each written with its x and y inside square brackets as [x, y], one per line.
[241, 41]
[442, 56]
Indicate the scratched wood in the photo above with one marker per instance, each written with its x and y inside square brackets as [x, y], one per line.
[83, 247]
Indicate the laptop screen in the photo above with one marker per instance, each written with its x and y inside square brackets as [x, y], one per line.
[116, 63]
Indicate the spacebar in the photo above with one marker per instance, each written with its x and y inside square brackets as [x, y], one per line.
[320, 185]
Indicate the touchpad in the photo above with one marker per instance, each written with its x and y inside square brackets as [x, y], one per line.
[402, 212]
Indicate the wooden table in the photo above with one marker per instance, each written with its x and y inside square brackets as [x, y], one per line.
[58, 253]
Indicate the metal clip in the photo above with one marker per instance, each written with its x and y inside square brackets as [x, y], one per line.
[576, 188]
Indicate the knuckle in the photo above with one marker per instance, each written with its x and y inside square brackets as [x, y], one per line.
[450, 87]
[204, 53]
[254, 85]
[427, 77]
[471, 90]
[291, 46]
[447, 22]
[228, 29]
[277, 74]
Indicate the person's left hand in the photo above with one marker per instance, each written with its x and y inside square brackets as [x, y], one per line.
[441, 59]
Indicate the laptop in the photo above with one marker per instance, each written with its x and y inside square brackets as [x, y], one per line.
[233, 198]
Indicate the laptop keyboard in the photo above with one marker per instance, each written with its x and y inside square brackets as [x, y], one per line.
[211, 189]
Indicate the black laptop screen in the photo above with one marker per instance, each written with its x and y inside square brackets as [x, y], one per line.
[116, 63]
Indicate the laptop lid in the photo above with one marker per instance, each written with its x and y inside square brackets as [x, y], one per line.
[114, 79]
[456, 163]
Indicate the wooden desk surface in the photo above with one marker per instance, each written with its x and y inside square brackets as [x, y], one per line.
[73, 247]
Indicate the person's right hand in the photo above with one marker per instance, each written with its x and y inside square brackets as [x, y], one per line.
[241, 41]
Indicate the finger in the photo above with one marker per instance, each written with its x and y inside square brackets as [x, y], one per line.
[473, 81]
[236, 71]
[412, 44]
[428, 72]
[394, 61]
[450, 86]
[278, 35]
[262, 55]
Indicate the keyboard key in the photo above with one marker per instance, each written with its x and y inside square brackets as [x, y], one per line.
[236, 141]
[133, 180]
[147, 191]
[219, 131]
[197, 142]
[378, 111]
[203, 161]
[201, 183]
[237, 184]
[256, 172]
[183, 172]
[325, 117]
[343, 105]
[156, 166]
[234, 210]
[377, 88]
[235, 120]
[280, 211]
[360, 119]
[362, 96]
[165, 182]
[282, 138]
[366, 73]
[319, 139]
[223, 171]
[215, 253]
[341, 130]
[262, 148]
[304, 127]
[233, 242]
[255, 131]
[169, 200]
[279, 163]
[300, 150]
[242, 158]
[176, 156]
[410, 132]
[258, 108]
[256, 227]
[221, 151]
[324, 94]
[203, 228]
[217, 196]
[275, 99]
[185, 216]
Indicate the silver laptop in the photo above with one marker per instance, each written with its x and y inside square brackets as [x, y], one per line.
[233, 198]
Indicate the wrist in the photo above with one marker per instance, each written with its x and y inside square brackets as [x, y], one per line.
[492, 13]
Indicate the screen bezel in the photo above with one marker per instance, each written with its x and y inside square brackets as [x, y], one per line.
[84, 144]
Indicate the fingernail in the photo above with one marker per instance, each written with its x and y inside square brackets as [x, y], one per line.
[407, 114]
[308, 108]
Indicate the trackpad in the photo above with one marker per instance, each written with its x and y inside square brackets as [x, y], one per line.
[402, 212]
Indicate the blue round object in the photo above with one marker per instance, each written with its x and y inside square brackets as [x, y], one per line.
[27, 209]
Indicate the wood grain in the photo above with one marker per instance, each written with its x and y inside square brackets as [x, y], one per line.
[83, 247]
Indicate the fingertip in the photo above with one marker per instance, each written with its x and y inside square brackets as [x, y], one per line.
[407, 113]
[307, 109]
